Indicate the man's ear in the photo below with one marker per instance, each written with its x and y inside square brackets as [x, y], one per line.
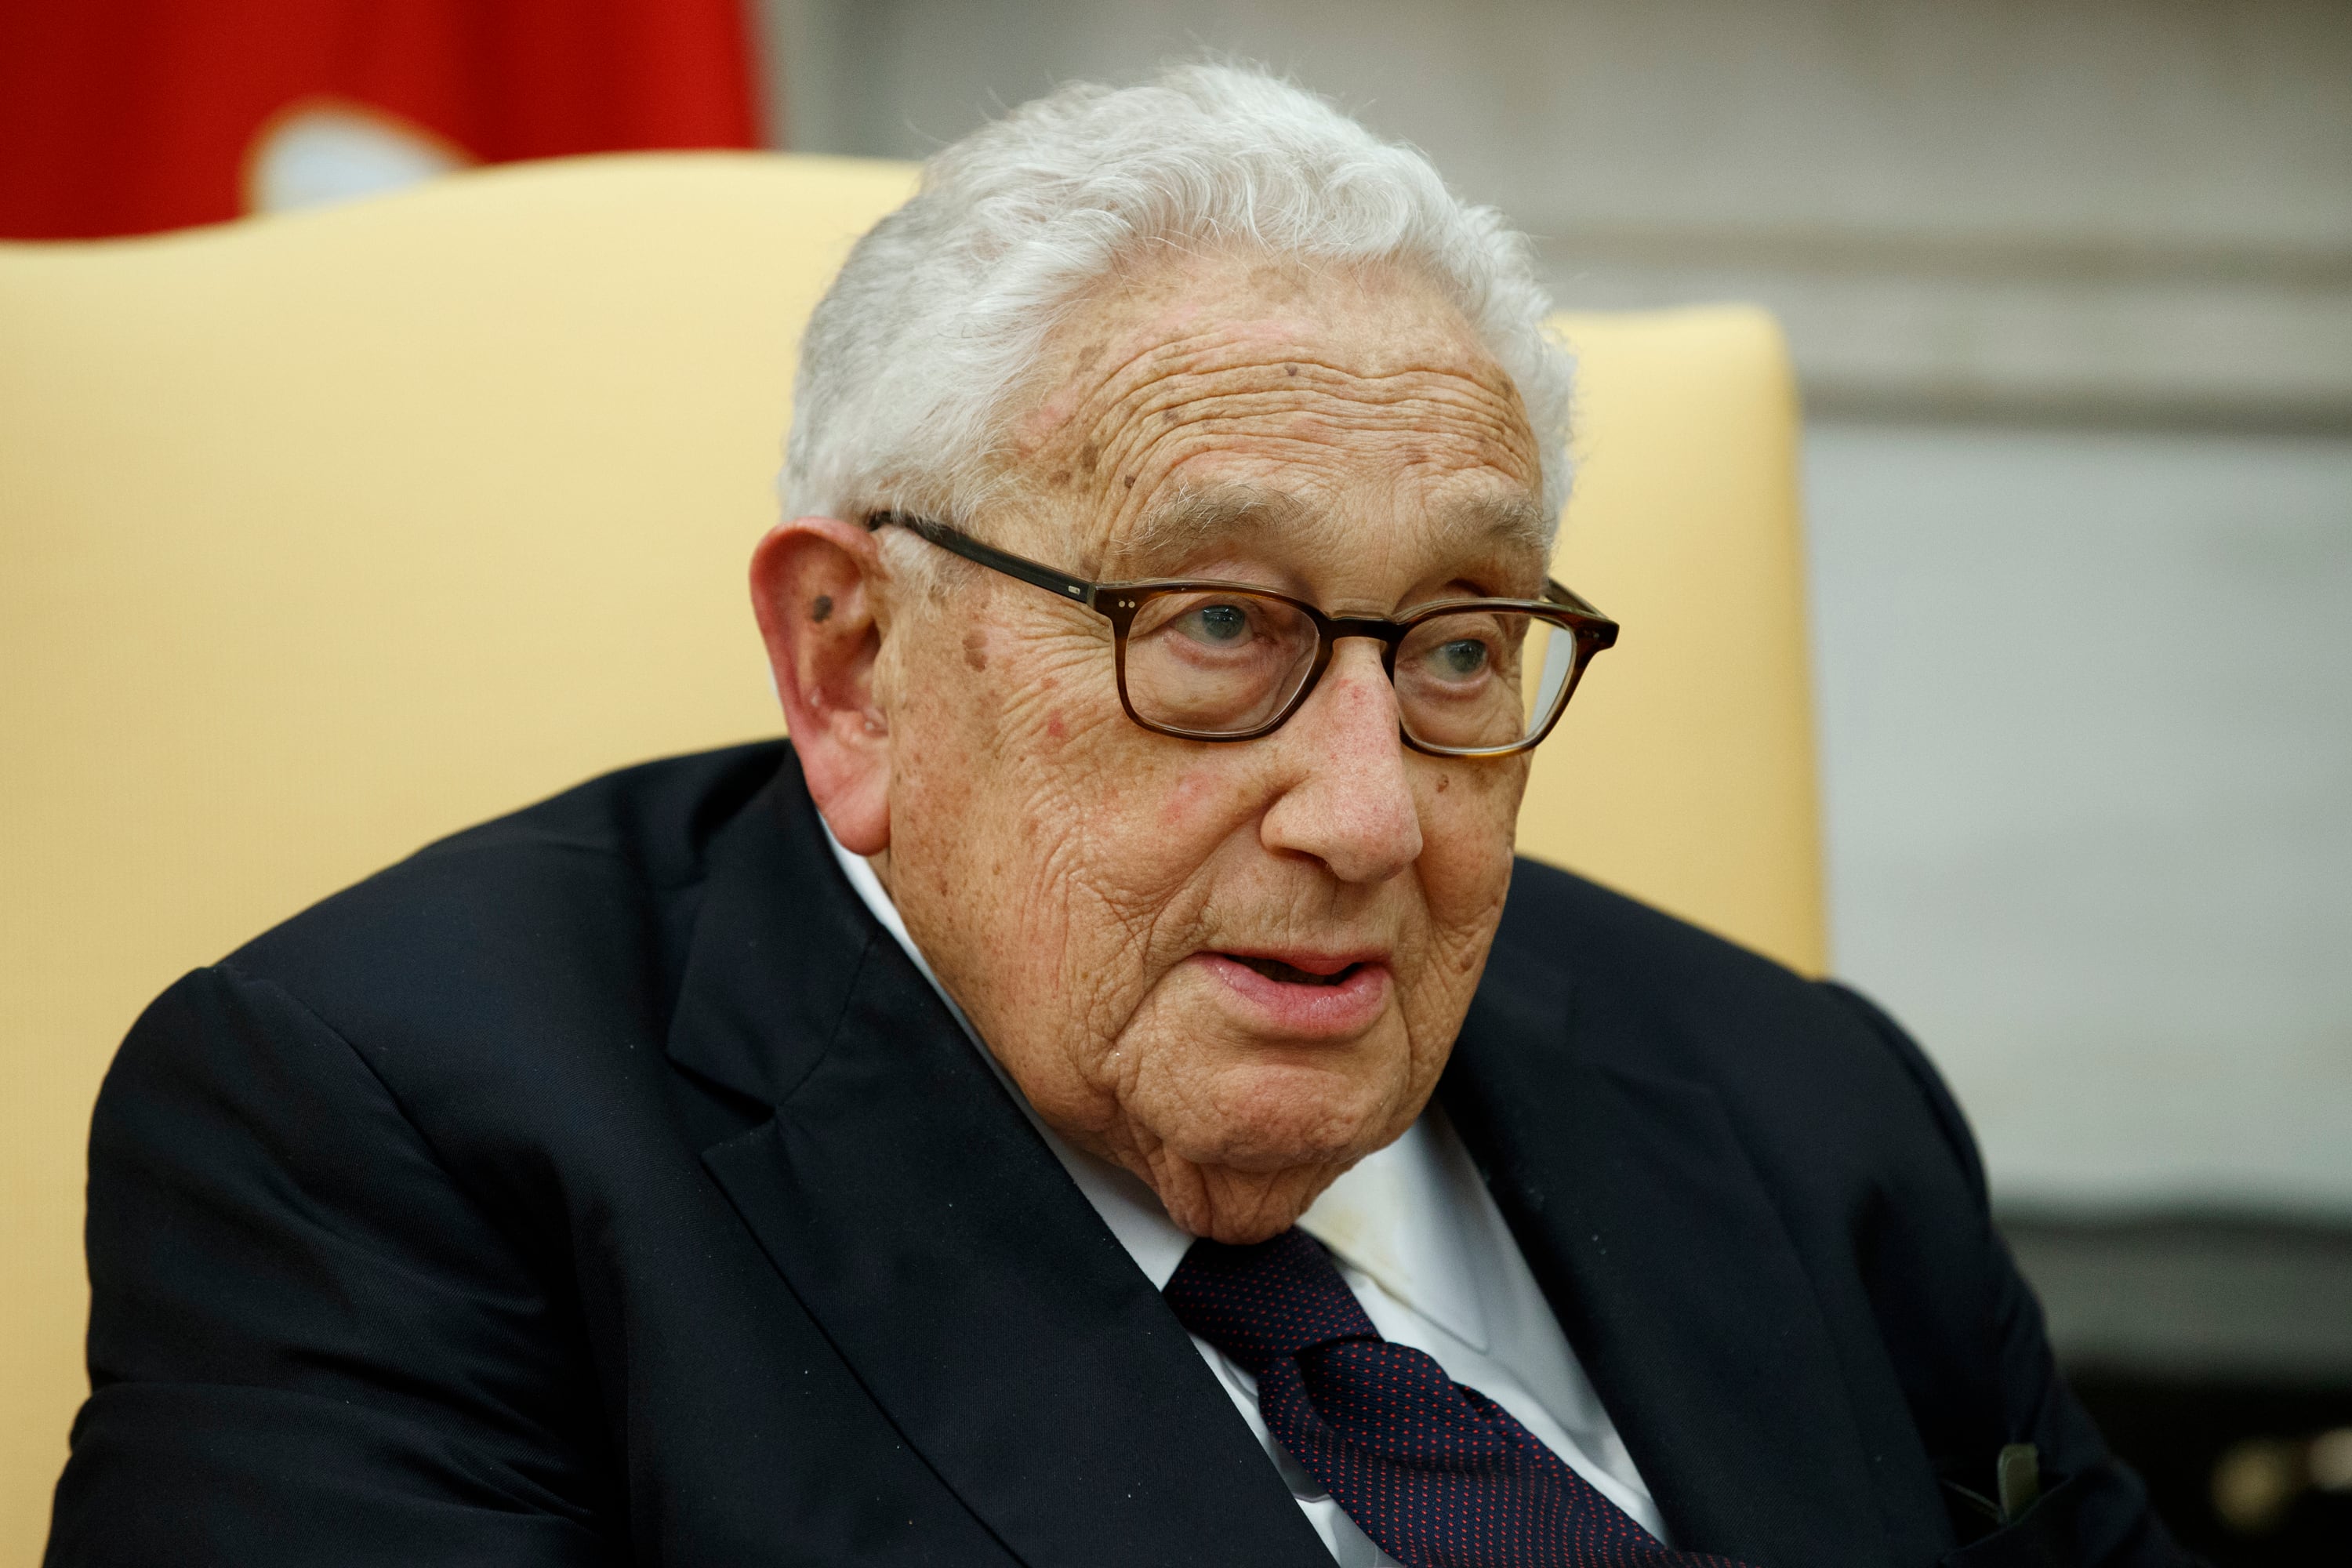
[814, 582]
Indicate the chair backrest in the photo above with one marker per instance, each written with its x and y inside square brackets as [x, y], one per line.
[322, 536]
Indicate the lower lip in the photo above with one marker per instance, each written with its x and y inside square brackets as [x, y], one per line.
[1306, 1011]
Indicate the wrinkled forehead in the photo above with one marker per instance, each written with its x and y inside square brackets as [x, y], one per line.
[1496, 527]
[1219, 401]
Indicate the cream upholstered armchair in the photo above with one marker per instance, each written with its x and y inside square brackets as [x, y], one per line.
[322, 536]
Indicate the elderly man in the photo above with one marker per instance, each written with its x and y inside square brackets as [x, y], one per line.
[1105, 1093]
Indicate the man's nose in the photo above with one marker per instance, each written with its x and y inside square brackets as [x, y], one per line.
[1348, 801]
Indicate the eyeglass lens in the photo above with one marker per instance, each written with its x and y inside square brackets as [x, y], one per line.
[1222, 662]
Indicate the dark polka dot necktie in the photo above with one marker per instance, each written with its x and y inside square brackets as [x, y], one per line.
[1439, 1475]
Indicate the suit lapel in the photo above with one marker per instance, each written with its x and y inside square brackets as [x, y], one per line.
[1675, 1281]
[924, 1224]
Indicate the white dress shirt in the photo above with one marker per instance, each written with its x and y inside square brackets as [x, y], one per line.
[1420, 1242]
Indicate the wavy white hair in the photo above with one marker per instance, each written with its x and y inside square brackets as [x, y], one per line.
[944, 305]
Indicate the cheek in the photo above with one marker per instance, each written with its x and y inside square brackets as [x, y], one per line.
[1192, 801]
[1142, 820]
[1469, 819]
[940, 758]
[1084, 837]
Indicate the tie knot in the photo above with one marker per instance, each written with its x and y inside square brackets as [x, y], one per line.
[1277, 1298]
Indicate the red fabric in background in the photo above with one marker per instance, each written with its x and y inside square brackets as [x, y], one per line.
[126, 116]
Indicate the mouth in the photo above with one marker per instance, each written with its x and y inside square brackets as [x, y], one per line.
[1304, 995]
[1285, 973]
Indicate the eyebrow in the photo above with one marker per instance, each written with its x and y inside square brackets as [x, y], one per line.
[1196, 518]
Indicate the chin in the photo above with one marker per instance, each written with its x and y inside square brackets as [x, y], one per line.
[1271, 1135]
[1263, 1224]
[1238, 1207]
[1269, 1118]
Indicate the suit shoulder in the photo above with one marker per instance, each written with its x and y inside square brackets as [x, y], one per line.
[1792, 1058]
[644, 827]
[657, 817]
[1558, 918]
[575, 906]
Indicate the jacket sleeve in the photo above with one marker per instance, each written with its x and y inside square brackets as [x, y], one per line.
[306, 1343]
[2094, 1510]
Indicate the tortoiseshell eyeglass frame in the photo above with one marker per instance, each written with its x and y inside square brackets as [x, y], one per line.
[1118, 603]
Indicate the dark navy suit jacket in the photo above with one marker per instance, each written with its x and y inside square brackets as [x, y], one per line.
[603, 1186]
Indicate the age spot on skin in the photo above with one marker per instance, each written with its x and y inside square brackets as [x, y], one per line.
[1180, 797]
[822, 608]
[975, 648]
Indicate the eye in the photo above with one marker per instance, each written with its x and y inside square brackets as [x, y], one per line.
[1459, 658]
[1219, 626]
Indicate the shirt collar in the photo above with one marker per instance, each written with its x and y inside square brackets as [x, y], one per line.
[1400, 1215]
[1390, 1216]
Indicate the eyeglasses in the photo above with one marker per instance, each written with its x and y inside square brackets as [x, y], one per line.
[1226, 662]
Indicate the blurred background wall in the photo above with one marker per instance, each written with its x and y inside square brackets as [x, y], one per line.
[2070, 292]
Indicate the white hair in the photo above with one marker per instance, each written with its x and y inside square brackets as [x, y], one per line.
[944, 306]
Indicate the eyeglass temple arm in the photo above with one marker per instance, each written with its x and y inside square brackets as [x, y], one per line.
[1601, 630]
[1077, 589]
